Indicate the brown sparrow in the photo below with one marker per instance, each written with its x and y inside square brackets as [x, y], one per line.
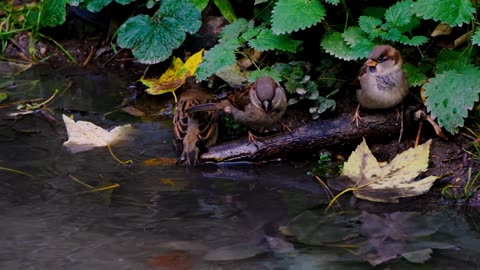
[382, 80]
[258, 106]
[193, 132]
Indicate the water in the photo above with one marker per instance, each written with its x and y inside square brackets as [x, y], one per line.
[161, 217]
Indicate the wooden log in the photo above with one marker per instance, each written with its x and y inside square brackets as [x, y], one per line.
[315, 135]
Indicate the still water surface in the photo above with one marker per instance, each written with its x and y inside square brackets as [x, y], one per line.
[160, 217]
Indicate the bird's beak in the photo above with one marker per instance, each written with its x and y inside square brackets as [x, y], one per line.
[371, 63]
[266, 106]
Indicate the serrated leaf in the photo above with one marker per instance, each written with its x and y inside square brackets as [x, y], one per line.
[226, 10]
[215, 59]
[476, 37]
[292, 15]
[234, 30]
[392, 181]
[153, 40]
[268, 71]
[332, 2]
[267, 40]
[414, 75]
[369, 25]
[334, 44]
[392, 34]
[414, 41]
[53, 13]
[399, 14]
[353, 35]
[452, 12]
[451, 94]
[449, 60]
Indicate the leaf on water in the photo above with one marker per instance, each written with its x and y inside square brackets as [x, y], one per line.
[3, 96]
[370, 181]
[133, 111]
[159, 161]
[418, 256]
[84, 136]
[174, 76]
[174, 260]
[236, 252]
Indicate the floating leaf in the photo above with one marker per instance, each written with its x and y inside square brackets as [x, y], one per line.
[161, 161]
[452, 12]
[451, 94]
[369, 181]
[267, 40]
[84, 136]
[292, 15]
[174, 76]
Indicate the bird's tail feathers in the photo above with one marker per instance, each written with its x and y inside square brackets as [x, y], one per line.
[205, 107]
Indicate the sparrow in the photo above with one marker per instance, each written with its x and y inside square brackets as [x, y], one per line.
[383, 82]
[258, 106]
[193, 132]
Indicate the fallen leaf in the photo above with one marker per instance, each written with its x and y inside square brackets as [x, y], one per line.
[3, 96]
[159, 161]
[175, 260]
[370, 181]
[174, 76]
[84, 136]
[132, 111]
[442, 29]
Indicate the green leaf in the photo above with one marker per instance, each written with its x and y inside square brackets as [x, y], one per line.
[268, 71]
[200, 4]
[392, 34]
[226, 10]
[452, 12]
[354, 35]
[234, 30]
[399, 14]
[334, 44]
[476, 37]
[217, 58]
[451, 94]
[153, 40]
[414, 41]
[3, 96]
[415, 76]
[53, 13]
[332, 2]
[291, 15]
[449, 59]
[267, 40]
[370, 25]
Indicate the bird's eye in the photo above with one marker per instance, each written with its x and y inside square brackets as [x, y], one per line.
[381, 59]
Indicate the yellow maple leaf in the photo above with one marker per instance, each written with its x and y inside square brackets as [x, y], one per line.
[174, 76]
[397, 179]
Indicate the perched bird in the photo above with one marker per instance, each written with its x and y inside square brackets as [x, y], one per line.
[382, 80]
[258, 106]
[193, 131]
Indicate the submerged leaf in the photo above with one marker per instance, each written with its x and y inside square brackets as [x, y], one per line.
[392, 181]
[84, 136]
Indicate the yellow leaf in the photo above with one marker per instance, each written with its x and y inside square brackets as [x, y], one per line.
[159, 161]
[390, 182]
[174, 76]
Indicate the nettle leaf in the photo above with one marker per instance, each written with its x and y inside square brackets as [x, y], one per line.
[399, 14]
[415, 75]
[354, 35]
[370, 25]
[215, 59]
[449, 59]
[96, 5]
[332, 2]
[392, 34]
[153, 40]
[267, 40]
[334, 44]
[452, 12]
[234, 30]
[414, 41]
[53, 13]
[451, 94]
[291, 15]
[476, 37]
[226, 10]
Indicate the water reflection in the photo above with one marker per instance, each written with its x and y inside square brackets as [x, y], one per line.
[161, 217]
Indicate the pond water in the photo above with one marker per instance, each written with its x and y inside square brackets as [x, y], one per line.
[173, 217]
